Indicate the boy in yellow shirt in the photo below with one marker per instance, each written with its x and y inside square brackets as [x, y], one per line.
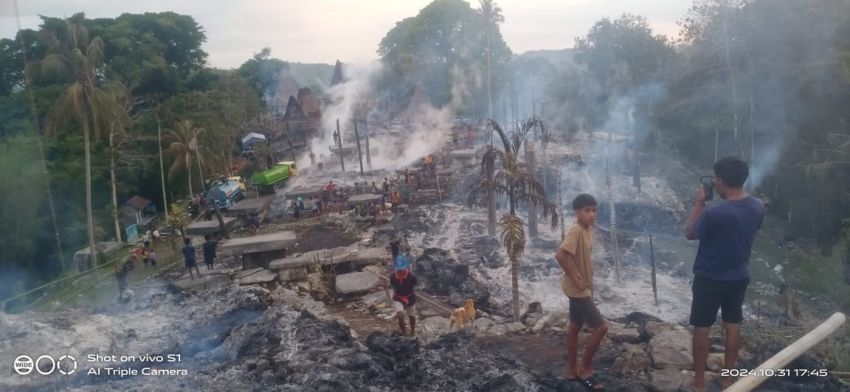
[574, 257]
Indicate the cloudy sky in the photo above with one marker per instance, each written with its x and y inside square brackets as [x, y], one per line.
[349, 30]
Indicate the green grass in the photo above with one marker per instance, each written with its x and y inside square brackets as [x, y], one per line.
[98, 287]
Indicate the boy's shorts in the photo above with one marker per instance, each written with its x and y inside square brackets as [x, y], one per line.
[190, 263]
[584, 311]
[711, 294]
[399, 307]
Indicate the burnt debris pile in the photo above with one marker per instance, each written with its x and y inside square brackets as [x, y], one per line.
[442, 275]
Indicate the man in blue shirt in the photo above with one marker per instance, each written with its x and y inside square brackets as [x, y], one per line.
[189, 257]
[721, 269]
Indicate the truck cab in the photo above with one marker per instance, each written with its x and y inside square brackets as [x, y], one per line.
[293, 170]
[239, 180]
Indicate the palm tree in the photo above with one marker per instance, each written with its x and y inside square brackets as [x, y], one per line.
[119, 122]
[184, 147]
[492, 15]
[77, 58]
[515, 180]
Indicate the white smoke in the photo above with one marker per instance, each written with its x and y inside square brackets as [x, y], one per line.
[393, 145]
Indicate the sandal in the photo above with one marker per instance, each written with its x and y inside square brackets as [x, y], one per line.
[590, 383]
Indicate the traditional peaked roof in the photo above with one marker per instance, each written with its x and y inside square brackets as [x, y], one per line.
[309, 103]
[337, 77]
[293, 111]
[138, 202]
[286, 85]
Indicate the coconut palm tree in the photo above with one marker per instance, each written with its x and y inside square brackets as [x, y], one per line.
[515, 180]
[492, 15]
[183, 148]
[76, 58]
[119, 123]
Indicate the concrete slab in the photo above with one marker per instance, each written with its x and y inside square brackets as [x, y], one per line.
[258, 243]
[201, 283]
[368, 255]
[259, 277]
[246, 273]
[201, 228]
[326, 257]
[463, 154]
[355, 255]
[305, 192]
[250, 206]
[366, 198]
[356, 282]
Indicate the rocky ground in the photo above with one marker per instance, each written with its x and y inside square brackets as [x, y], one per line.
[249, 338]
[279, 337]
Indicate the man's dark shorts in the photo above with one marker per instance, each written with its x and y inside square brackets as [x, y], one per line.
[584, 311]
[710, 295]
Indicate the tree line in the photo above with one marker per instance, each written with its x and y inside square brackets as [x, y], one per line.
[86, 105]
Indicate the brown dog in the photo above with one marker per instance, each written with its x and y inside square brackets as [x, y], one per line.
[461, 315]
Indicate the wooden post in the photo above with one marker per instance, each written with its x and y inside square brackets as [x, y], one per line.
[784, 357]
[368, 152]
[439, 193]
[652, 260]
[339, 146]
[531, 161]
[561, 206]
[221, 224]
[161, 168]
[359, 154]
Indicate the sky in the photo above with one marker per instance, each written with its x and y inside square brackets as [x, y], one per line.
[322, 31]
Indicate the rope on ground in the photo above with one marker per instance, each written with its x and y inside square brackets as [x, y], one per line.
[420, 295]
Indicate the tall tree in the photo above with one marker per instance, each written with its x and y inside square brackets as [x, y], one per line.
[492, 15]
[76, 58]
[438, 49]
[184, 148]
[515, 180]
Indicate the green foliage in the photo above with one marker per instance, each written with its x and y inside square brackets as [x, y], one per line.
[262, 73]
[22, 208]
[445, 43]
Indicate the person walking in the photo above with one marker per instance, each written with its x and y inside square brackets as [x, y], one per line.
[404, 294]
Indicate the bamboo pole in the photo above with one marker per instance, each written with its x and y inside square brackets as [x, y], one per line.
[161, 167]
[784, 357]
[652, 260]
[359, 153]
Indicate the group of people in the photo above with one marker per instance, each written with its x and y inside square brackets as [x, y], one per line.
[209, 247]
[721, 272]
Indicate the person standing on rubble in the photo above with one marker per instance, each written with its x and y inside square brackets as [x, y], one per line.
[404, 293]
[386, 186]
[722, 266]
[209, 251]
[122, 271]
[395, 247]
[189, 257]
[577, 284]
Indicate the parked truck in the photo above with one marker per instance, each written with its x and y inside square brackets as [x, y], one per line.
[224, 193]
[270, 180]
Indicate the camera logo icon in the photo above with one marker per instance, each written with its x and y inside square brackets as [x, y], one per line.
[24, 365]
[45, 365]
